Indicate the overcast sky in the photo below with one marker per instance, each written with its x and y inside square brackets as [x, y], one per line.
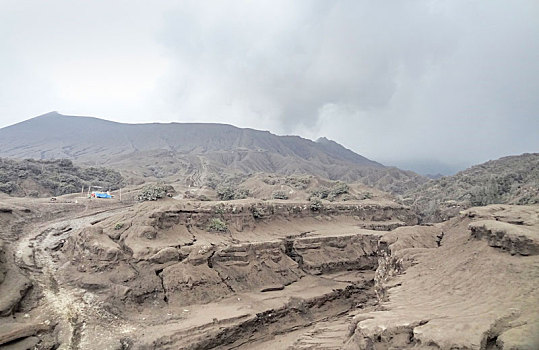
[428, 85]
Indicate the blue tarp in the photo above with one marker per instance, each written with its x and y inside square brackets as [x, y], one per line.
[102, 195]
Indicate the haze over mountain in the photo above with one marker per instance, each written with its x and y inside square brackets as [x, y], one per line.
[191, 150]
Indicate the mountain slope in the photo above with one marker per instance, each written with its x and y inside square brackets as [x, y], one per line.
[508, 180]
[191, 150]
[86, 137]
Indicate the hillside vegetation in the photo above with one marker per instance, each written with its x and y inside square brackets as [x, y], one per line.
[508, 180]
[38, 178]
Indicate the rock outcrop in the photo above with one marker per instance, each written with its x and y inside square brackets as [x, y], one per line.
[466, 293]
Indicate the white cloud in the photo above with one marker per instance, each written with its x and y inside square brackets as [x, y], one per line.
[454, 81]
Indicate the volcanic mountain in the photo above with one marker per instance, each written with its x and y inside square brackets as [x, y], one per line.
[192, 150]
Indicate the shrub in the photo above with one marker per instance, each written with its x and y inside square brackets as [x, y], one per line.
[228, 193]
[315, 204]
[269, 181]
[65, 163]
[241, 193]
[225, 193]
[366, 195]
[340, 188]
[258, 213]
[300, 183]
[279, 195]
[8, 187]
[211, 182]
[220, 210]
[217, 225]
[154, 192]
[119, 226]
[320, 193]
[332, 193]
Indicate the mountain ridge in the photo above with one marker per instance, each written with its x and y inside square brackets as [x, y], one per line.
[55, 125]
[192, 150]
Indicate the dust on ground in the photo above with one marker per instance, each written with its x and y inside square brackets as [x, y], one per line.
[252, 274]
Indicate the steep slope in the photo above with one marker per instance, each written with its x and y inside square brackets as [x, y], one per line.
[508, 180]
[192, 151]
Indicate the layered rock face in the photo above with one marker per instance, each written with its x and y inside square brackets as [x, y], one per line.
[171, 255]
[321, 255]
[281, 264]
[13, 283]
[470, 283]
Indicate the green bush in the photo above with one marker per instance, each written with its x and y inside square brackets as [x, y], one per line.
[228, 193]
[320, 193]
[257, 212]
[154, 192]
[338, 189]
[219, 210]
[279, 195]
[241, 193]
[298, 182]
[366, 195]
[217, 225]
[225, 193]
[8, 187]
[269, 181]
[315, 204]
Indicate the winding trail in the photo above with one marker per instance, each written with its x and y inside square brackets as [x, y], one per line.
[69, 306]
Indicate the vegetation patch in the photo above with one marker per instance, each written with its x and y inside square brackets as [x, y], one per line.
[153, 192]
[217, 225]
[331, 194]
[228, 193]
[508, 180]
[315, 204]
[53, 177]
[296, 182]
[279, 195]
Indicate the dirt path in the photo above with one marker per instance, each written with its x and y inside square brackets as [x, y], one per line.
[67, 306]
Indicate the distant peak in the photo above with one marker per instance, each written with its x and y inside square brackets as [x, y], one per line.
[50, 114]
[324, 140]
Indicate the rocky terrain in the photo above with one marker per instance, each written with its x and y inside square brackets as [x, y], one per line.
[113, 272]
[475, 288]
[251, 274]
